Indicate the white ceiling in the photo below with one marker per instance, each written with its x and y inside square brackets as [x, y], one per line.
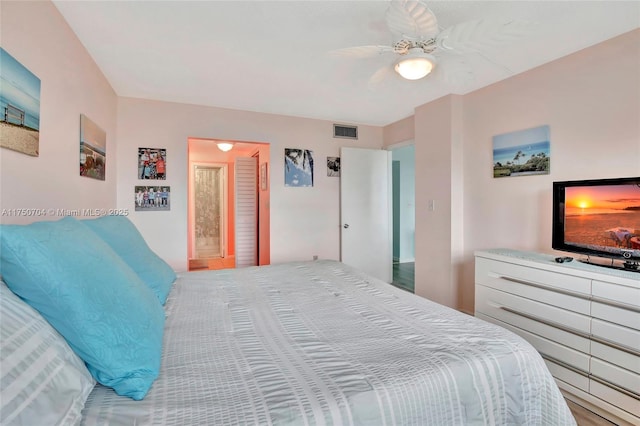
[273, 56]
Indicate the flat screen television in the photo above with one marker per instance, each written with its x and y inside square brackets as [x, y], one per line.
[599, 218]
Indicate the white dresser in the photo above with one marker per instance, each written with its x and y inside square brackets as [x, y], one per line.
[583, 319]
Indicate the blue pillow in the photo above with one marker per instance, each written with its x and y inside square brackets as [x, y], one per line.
[125, 239]
[101, 307]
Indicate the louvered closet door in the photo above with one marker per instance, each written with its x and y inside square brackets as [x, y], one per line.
[246, 212]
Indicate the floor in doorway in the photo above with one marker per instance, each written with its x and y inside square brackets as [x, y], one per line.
[404, 276]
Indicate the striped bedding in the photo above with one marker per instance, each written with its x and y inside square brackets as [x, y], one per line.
[318, 343]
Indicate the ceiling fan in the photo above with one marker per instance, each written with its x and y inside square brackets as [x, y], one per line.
[419, 43]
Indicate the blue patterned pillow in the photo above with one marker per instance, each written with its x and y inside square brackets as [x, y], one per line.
[76, 281]
[125, 239]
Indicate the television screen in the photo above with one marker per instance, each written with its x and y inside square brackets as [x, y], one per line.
[598, 217]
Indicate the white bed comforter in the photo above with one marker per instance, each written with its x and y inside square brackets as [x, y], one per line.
[318, 343]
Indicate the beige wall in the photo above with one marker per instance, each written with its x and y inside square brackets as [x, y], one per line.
[71, 84]
[590, 100]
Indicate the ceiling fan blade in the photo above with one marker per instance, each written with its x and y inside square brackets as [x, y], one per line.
[411, 19]
[362, 51]
[474, 36]
[379, 76]
[454, 70]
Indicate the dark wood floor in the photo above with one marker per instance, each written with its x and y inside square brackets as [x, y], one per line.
[404, 276]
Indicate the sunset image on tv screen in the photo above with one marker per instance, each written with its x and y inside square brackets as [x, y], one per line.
[603, 216]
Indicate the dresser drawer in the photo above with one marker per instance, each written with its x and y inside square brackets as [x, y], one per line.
[500, 300]
[489, 271]
[548, 349]
[617, 293]
[618, 376]
[490, 302]
[615, 397]
[624, 359]
[609, 332]
[617, 315]
[583, 320]
[567, 375]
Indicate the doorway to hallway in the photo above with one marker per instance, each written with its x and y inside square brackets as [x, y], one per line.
[403, 201]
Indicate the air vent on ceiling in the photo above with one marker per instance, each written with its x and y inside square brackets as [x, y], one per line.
[347, 132]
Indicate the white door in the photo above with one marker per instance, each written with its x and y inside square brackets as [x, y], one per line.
[246, 211]
[365, 211]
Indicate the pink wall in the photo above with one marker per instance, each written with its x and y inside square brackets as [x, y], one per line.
[303, 221]
[71, 84]
[590, 100]
[436, 129]
[400, 131]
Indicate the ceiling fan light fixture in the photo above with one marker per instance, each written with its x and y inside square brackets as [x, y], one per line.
[415, 65]
[225, 146]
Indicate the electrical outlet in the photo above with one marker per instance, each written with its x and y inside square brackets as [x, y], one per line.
[315, 257]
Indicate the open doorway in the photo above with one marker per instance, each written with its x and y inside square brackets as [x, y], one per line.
[217, 183]
[403, 199]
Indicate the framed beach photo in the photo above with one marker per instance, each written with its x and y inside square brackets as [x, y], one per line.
[20, 107]
[93, 149]
[522, 153]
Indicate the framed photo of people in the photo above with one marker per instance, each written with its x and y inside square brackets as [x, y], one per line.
[152, 198]
[152, 163]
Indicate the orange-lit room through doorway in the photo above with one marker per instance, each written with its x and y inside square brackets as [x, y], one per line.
[228, 204]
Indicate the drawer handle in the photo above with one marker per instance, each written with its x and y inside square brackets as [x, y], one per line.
[597, 299]
[546, 322]
[565, 365]
[627, 392]
[616, 304]
[544, 287]
[615, 345]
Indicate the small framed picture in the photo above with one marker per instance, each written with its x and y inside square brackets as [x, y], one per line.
[263, 177]
[152, 198]
[333, 166]
[152, 163]
[93, 149]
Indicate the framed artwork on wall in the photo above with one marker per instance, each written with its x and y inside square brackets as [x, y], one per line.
[333, 166]
[522, 153]
[93, 149]
[19, 107]
[298, 167]
[152, 163]
[152, 198]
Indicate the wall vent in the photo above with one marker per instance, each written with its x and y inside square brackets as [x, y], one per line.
[347, 132]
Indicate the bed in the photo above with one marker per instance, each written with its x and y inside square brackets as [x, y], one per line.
[319, 343]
